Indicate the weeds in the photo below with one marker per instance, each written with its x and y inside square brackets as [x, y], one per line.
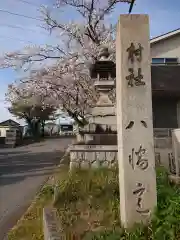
[30, 226]
[88, 207]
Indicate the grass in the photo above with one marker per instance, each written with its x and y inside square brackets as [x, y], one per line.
[88, 205]
[30, 227]
[88, 208]
[83, 197]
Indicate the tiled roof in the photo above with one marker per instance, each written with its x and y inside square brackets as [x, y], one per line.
[165, 36]
[10, 122]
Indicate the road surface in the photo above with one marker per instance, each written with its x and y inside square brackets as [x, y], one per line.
[22, 171]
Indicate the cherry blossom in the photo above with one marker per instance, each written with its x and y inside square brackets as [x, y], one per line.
[64, 82]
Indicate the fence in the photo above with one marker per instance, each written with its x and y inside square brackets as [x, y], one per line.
[162, 132]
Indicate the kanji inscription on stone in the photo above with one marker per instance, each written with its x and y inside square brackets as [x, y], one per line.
[134, 52]
[139, 192]
[138, 158]
[135, 80]
[137, 176]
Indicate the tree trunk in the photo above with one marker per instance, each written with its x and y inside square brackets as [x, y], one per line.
[33, 126]
[36, 129]
[42, 128]
[30, 126]
[80, 123]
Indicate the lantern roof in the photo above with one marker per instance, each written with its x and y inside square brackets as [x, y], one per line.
[104, 67]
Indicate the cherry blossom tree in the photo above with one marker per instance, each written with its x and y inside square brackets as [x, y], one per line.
[54, 87]
[65, 82]
[24, 105]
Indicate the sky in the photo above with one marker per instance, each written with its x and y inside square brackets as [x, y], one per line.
[17, 32]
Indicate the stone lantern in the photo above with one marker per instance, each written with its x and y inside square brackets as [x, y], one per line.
[97, 141]
[103, 71]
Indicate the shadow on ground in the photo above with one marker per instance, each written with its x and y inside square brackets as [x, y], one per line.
[19, 165]
[23, 170]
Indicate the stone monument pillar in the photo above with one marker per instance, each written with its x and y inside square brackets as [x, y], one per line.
[136, 158]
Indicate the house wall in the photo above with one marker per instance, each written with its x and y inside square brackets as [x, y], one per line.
[3, 131]
[166, 113]
[166, 48]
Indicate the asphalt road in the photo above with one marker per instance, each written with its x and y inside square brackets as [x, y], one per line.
[22, 171]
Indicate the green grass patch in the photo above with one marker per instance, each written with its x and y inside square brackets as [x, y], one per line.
[30, 227]
[88, 207]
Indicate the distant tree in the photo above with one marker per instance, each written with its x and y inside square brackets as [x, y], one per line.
[31, 109]
[35, 117]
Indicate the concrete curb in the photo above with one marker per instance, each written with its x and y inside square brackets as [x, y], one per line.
[62, 161]
[33, 202]
[28, 207]
[50, 225]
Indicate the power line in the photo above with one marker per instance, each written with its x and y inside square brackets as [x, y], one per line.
[20, 15]
[17, 39]
[27, 2]
[32, 4]
[22, 28]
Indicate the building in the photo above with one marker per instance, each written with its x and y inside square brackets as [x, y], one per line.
[165, 71]
[7, 125]
[66, 129]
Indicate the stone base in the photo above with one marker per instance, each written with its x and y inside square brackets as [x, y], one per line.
[174, 179]
[107, 139]
[87, 156]
[92, 156]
